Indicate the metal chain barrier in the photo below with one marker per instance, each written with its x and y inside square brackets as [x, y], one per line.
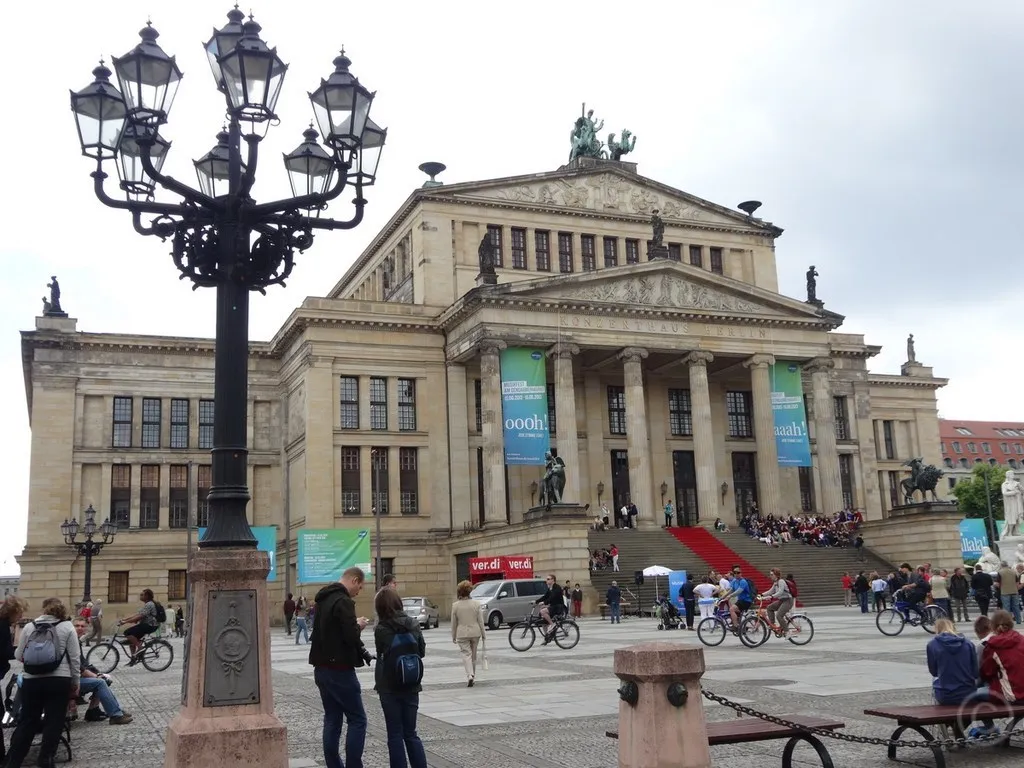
[849, 737]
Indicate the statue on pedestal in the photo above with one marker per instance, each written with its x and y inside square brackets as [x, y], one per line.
[553, 482]
[923, 478]
[658, 230]
[616, 149]
[911, 352]
[812, 285]
[1013, 504]
[52, 307]
[989, 560]
[487, 254]
[583, 139]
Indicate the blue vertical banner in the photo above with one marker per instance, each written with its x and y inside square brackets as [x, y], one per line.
[524, 405]
[973, 537]
[266, 541]
[791, 438]
[676, 579]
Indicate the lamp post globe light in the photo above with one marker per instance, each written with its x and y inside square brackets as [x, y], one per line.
[88, 546]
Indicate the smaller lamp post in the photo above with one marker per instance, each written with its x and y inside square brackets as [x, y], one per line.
[376, 456]
[89, 546]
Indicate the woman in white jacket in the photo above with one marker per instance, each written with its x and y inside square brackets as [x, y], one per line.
[467, 628]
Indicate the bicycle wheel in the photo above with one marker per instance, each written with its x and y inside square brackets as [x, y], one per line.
[104, 657]
[711, 631]
[522, 636]
[157, 656]
[929, 615]
[890, 622]
[801, 629]
[753, 631]
[567, 635]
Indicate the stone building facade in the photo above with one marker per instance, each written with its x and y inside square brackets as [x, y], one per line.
[386, 393]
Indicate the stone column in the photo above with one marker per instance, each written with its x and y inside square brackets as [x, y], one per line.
[565, 410]
[492, 432]
[703, 435]
[769, 497]
[825, 436]
[641, 490]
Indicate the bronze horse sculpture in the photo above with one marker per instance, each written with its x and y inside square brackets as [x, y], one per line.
[923, 478]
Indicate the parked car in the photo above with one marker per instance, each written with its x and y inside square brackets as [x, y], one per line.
[507, 601]
[424, 611]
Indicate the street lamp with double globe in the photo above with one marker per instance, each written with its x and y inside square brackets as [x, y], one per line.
[88, 546]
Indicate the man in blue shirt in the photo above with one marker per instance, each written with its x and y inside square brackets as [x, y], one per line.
[740, 589]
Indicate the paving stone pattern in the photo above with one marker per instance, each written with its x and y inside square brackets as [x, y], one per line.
[550, 707]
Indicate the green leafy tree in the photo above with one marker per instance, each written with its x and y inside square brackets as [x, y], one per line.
[970, 493]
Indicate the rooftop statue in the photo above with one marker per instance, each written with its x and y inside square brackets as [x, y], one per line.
[911, 352]
[657, 230]
[616, 149]
[583, 139]
[812, 285]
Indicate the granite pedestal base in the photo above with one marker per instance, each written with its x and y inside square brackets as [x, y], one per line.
[581, 511]
[227, 715]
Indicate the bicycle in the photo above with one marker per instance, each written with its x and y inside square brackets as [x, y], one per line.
[755, 628]
[155, 654]
[891, 621]
[522, 636]
[721, 622]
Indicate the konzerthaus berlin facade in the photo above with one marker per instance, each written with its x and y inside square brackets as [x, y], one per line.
[387, 391]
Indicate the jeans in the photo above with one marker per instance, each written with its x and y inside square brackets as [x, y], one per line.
[343, 700]
[691, 611]
[400, 718]
[1011, 603]
[983, 599]
[862, 598]
[108, 701]
[613, 612]
[288, 622]
[944, 604]
[44, 706]
[301, 629]
[879, 602]
[981, 695]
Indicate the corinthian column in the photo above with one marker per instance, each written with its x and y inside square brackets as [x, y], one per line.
[641, 491]
[769, 495]
[703, 434]
[825, 435]
[493, 435]
[565, 411]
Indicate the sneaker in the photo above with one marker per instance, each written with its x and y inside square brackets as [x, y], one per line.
[123, 719]
[980, 731]
[470, 683]
[94, 716]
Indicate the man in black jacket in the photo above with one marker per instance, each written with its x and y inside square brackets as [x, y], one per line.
[689, 600]
[959, 589]
[336, 650]
[554, 605]
[982, 584]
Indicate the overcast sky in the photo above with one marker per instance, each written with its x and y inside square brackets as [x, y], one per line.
[884, 137]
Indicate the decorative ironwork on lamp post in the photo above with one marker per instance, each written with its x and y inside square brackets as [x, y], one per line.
[220, 236]
[88, 547]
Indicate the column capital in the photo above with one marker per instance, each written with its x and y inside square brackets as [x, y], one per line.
[759, 361]
[491, 346]
[633, 355]
[698, 358]
[563, 351]
[820, 365]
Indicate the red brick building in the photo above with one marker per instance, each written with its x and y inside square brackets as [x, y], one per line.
[966, 443]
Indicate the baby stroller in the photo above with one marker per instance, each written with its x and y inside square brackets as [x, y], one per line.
[12, 716]
[667, 614]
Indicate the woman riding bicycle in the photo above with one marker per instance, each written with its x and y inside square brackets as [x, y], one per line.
[143, 623]
[782, 600]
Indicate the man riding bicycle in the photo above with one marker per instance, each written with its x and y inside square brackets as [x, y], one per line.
[916, 589]
[739, 588]
[554, 605]
[143, 623]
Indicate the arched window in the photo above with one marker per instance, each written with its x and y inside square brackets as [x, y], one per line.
[977, 460]
[964, 463]
[993, 462]
[1013, 463]
[948, 462]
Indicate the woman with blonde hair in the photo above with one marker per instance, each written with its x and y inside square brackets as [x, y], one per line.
[11, 611]
[467, 628]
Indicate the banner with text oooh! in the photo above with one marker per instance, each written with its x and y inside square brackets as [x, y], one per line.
[791, 439]
[524, 405]
[325, 554]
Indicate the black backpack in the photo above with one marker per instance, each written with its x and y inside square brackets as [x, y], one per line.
[402, 662]
[161, 613]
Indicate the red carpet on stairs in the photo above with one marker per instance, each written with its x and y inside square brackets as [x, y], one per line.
[718, 556]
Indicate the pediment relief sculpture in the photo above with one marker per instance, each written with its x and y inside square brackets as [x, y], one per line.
[665, 291]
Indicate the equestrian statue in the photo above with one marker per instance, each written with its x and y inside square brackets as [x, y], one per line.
[923, 478]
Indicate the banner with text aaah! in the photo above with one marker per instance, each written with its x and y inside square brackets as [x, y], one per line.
[791, 438]
[524, 405]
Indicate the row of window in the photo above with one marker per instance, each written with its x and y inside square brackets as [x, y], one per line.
[965, 463]
[985, 447]
[588, 251]
[380, 482]
[149, 496]
[1005, 432]
[378, 396]
[152, 422]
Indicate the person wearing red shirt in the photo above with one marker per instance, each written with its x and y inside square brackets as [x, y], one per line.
[847, 590]
[1002, 661]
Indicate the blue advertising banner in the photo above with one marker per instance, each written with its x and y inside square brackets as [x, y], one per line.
[676, 579]
[973, 537]
[266, 541]
[524, 405]
[325, 554]
[791, 438]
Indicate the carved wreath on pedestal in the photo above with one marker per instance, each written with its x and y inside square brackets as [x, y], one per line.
[232, 646]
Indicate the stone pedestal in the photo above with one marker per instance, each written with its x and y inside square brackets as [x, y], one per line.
[663, 727]
[927, 532]
[1007, 548]
[559, 511]
[227, 715]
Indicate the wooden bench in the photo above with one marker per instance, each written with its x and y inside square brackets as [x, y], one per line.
[604, 609]
[915, 718]
[751, 729]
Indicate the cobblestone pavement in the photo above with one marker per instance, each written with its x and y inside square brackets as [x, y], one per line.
[549, 708]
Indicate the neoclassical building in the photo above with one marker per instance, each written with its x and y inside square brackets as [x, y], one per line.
[386, 393]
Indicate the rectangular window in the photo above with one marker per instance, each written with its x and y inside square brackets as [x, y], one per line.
[680, 413]
[407, 405]
[739, 406]
[350, 480]
[387, 565]
[478, 406]
[842, 419]
[176, 585]
[179, 423]
[971, 448]
[122, 422]
[986, 448]
[587, 253]
[179, 496]
[121, 495]
[204, 480]
[675, 251]
[696, 256]
[894, 489]
[552, 411]
[1017, 448]
[518, 248]
[117, 586]
[378, 403]
[349, 402]
[889, 436]
[206, 423]
[617, 410]
[632, 251]
[379, 480]
[956, 446]
[494, 233]
[542, 244]
[806, 489]
[151, 422]
[1004, 447]
[564, 252]
[149, 497]
[611, 252]
[409, 481]
[716, 261]
[846, 479]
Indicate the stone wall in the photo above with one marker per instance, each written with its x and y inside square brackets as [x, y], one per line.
[916, 534]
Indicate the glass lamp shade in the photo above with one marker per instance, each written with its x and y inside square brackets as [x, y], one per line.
[149, 79]
[70, 529]
[213, 168]
[100, 115]
[108, 529]
[367, 158]
[65, 529]
[310, 168]
[134, 179]
[253, 75]
[341, 105]
[223, 42]
[89, 529]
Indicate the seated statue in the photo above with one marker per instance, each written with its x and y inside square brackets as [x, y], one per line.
[989, 560]
[553, 482]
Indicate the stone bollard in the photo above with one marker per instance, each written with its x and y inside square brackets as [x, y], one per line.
[661, 712]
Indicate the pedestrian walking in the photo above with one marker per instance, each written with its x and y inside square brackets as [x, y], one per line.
[577, 601]
[614, 599]
[289, 611]
[847, 582]
[959, 589]
[467, 628]
[95, 623]
[301, 621]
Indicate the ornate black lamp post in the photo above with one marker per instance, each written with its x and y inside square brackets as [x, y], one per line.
[88, 547]
[220, 236]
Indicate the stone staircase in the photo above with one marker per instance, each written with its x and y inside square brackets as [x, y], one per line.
[720, 556]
